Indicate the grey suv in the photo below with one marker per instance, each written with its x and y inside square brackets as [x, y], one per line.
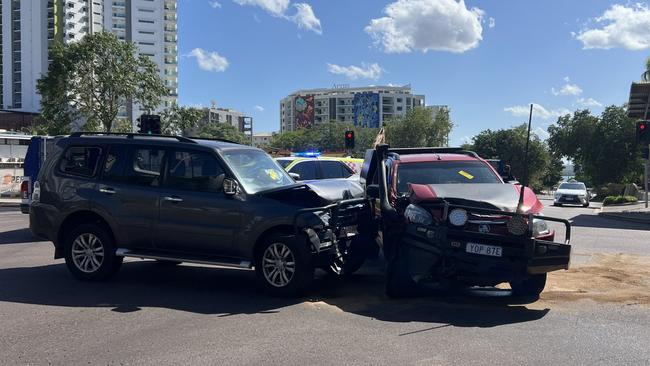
[102, 197]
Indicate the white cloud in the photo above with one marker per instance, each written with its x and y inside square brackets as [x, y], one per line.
[215, 4]
[541, 133]
[425, 25]
[491, 22]
[304, 16]
[538, 111]
[209, 61]
[372, 71]
[567, 89]
[259, 108]
[622, 26]
[589, 102]
[274, 7]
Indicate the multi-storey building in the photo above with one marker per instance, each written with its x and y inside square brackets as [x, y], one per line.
[364, 106]
[29, 27]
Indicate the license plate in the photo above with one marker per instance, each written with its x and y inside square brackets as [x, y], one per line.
[483, 249]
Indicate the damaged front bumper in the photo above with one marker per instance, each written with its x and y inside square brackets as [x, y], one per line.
[441, 251]
[326, 226]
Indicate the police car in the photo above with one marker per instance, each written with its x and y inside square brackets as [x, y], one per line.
[312, 166]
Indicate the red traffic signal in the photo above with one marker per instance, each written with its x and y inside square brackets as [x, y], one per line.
[349, 139]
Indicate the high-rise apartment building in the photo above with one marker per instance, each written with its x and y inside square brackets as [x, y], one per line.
[363, 106]
[29, 27]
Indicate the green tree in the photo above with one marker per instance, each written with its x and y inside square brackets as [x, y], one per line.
[602, 148]
[178, 120]
[325, 137]
[223, 131]
[419, 128]
[509, 145]
[57, 113]
[95, 77]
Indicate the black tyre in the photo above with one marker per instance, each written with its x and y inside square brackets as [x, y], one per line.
[586, 205]
[90, 253]
[557, 204]
[398, 281]
[349, 259]
[283, 265]
[531, 286]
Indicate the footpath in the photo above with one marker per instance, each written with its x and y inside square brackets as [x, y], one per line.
[10, 202]
[632, 212]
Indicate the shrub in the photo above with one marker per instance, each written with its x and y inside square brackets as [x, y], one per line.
[617, 200]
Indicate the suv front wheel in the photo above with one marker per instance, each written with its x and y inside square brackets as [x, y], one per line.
[90, 253]
[284, 265]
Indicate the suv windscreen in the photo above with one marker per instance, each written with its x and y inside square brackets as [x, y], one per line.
[574, 186]
[443, 172]
[256, 170]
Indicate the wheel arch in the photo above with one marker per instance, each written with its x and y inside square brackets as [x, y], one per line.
[75, 219]
[278, 229]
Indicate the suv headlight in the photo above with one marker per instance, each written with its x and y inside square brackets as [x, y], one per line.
[417, 215]
[540, 227]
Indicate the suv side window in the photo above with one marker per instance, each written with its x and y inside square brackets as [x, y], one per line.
[144, 166]
[334, 169]
[194, 171]
[80, 160]
[114, 164]
[306, 169]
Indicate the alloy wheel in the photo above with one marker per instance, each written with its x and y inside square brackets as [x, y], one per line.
[87, 252]
[278, 265]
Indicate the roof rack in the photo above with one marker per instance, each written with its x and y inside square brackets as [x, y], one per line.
[432, 150]
[130, 135]
[213, 139]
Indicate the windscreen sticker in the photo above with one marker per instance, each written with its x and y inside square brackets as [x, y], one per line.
[466, 174]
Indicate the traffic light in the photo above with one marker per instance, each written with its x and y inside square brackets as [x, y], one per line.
[349, 139]
[644, 151]
[149, 124]
[643, 132]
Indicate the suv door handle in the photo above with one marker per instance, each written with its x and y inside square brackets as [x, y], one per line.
[107, 190]
[172, 199]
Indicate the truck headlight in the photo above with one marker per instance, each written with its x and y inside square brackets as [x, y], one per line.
[540, 227]
[417, 215]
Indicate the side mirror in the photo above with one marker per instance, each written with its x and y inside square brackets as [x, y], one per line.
[372, 190]
[295, 176]
[230, 187]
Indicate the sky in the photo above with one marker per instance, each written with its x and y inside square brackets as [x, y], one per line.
[486, 60]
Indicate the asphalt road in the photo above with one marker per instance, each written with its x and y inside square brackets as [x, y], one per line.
[202, 315]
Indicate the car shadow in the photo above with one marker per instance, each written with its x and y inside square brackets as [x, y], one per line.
[223, 292]
[364, 294]
[606, 223]
[18, 236]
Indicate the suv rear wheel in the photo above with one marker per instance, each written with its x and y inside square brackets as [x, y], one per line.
[90, 253]
[283, 265]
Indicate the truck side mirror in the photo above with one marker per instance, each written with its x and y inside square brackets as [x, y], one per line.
[230, 187]
[372, 190]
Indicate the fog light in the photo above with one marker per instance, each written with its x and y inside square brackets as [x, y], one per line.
[458, 217]
[517, 226]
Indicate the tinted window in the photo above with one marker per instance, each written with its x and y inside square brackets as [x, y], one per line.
[444, 172]
[114, 164]
[284, 162]
[195, 171]
[80, 160]
[144, 166]
[334, 169]
[306, 170]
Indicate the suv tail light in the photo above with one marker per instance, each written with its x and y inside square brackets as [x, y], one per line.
[24, 189]
[36, 195]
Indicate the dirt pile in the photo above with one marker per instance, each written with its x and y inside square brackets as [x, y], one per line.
[605, 278]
